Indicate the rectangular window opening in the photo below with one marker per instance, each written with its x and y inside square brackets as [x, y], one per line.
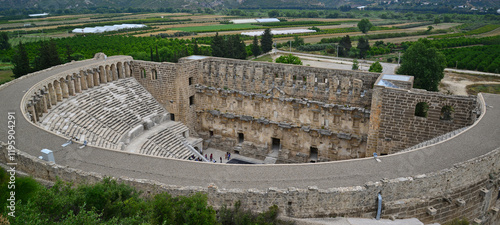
[313, 154]
[191, 100]
[276, 143]
[190, 80]
[211, 133]
[241, 138]
[172, 116]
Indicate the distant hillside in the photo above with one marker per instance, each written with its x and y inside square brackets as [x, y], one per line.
[254, 4]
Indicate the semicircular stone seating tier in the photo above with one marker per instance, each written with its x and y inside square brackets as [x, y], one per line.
[168, 143]
[103, 116]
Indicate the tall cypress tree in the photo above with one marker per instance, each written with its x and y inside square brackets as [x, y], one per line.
[239, 47]
[48, 55]
[69, 52]
[4, 41]
[21, 61]
[157, 56]
[255, 47]
[267, 41]
[217, 46]
[363, 46]
[151, 57]
[345, 46]
[54, 58]
[196, 50]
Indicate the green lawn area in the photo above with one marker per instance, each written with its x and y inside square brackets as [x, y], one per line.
[485, 88]
[6, 76]
[221, 27]
[266, 58]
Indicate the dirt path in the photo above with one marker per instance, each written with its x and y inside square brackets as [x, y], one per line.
[456, 84]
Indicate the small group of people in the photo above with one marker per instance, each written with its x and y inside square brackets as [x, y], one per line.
[212, 158]
[193, 157]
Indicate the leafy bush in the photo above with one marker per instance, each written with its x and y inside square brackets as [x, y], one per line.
[289, 59]
[376, 67]
[109, 202]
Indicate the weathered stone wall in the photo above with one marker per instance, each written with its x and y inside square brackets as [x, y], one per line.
[338, 107]
[468, 189]
[394, 125]
[338, 132]
[343, 87]
[169, 84]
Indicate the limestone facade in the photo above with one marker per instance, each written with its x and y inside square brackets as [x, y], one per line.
[296, 113]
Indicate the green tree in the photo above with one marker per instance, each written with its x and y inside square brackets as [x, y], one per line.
[273, 13]
[266, 41]
[48, 55]
[429, 28]
[255, 47]
[236, 48]
[4, 41]
[196, 49]
[364, 25]
[289, 59]
[355, 64]
[437, 20]
[345, 46]
[363, 47]
[297, 41]
[21, 61]
[69, 52]
[217, 46]
[425, 63]
[376, 67]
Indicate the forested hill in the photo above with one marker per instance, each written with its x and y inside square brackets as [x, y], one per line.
[50, 5]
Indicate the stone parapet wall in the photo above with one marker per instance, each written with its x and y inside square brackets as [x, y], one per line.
[468, 189]
[394, 125]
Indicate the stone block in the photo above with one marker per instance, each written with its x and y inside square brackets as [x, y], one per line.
[431, 211]
[477, 221]
[460, 202]
[483, 192]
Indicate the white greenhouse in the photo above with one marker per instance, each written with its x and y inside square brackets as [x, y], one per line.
[94, 30]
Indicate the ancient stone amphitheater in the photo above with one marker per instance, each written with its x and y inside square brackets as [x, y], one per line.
[317, 129]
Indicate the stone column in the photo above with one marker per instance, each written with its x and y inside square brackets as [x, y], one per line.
[78, 85]
[31, 109]
[108, 73]
[38, 111]
[57, 87]
[127, 69]
[102, 75]
[52, 94]
[64, 88]
[46, 98]
[71, 86]
[84, 80]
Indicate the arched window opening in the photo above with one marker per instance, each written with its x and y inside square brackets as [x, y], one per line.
[447, 113]
[143, 73]
[421, 109]
[154, 75]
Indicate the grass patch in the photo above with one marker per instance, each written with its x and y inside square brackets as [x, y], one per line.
[485, 88]
[6, 76]
[213, 28]
[266, 58]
